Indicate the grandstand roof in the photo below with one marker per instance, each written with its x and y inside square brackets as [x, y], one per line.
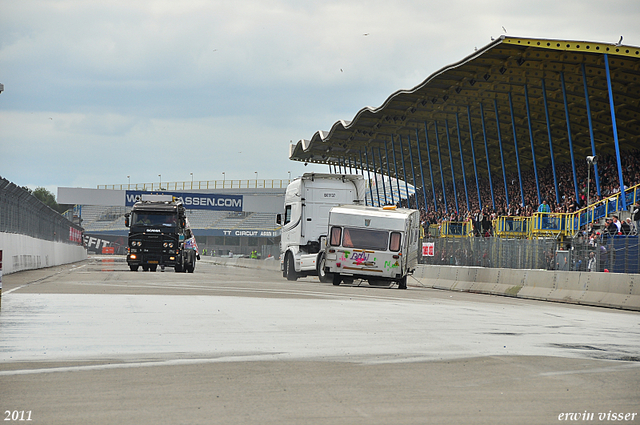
[501, 74]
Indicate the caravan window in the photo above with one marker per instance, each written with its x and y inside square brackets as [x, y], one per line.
[394, 245]
[335, 236]
[365, 239]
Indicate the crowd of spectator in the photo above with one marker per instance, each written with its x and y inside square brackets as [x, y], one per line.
[565, 202]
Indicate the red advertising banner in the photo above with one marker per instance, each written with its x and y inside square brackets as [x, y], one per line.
[427, 249]
[75, 235]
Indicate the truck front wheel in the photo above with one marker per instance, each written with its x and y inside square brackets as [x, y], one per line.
[336, 279]
[290, 267]
[133, 268]
[322, 274]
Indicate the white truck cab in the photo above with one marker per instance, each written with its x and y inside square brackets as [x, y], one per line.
[308, 200]
[376, 244]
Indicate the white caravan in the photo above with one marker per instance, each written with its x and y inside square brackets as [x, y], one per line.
[306, 216]
[377, 244]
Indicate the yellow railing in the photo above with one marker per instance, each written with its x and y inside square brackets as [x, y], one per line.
[600, 209]
[456, 229]
[512, 227]
[201, 185]
[549, 224]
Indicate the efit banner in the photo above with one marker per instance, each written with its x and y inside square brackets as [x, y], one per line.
[193, 201]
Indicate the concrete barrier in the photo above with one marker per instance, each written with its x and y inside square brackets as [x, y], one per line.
[21, 252]
[615, 290]
[271, 264]
[598, 289]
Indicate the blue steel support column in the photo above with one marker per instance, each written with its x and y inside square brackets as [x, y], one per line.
[395, 168]
[386, 155]
[486, 151]
[444, 192]
[515, 144]
[593, 143]
[453, 175]
[433, 186]
[424, 189]
[504, 173]
[533, 151]
[413, 173]
[366, 155]
[566, 113]
[615, 131]
[473, 156]
[362, 166]
[553, 161]
[464, 175]
[384, 190]
[375, 176]
[404, 171]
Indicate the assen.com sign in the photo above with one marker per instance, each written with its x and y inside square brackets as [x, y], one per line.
[194, 201]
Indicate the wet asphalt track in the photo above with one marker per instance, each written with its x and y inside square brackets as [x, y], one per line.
[96, 343]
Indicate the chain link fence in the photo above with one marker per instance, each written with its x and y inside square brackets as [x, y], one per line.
[615, 254]
[23, 213]
[493, 252]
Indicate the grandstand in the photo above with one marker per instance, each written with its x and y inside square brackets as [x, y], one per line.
[486, 140]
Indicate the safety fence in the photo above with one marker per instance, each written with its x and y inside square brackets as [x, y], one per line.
[23, 213]
[493, 252]
[615, 254]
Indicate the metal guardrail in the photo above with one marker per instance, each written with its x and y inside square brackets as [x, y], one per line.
[202, 185]
[23, 213]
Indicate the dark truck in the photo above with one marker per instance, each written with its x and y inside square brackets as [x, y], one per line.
[159, 235]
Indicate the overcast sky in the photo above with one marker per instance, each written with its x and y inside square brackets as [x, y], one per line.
[95, 91]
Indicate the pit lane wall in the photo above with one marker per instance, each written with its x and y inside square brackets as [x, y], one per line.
[615, 290]
[22, 252]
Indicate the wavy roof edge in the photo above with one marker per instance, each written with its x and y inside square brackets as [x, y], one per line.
[321, 136]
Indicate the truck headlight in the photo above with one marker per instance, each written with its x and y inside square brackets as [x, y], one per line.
[165, 244]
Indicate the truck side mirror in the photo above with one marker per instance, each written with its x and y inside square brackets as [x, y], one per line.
[278, 219]
[126, 220]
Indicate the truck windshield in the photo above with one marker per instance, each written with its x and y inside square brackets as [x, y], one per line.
[365, 239]
[153, 220]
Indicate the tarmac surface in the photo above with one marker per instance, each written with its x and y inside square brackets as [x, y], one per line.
[93, 342]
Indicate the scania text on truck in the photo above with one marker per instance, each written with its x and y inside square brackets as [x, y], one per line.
[307, 202]
[376, 244]
[159, 235]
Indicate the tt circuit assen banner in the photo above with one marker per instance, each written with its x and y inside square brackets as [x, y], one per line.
[194, 201]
